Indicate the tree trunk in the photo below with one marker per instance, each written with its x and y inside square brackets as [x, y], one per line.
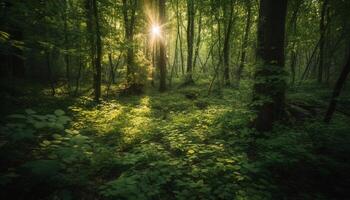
[98, 67]
[337, 90]
[66, 57]
[293, 43]
[162, 48]
[269, 91]
[322, 40]
[179, 35]
[227, 44]
[245, 42]
[49, 73]
[91, 35]
[77, 83]
[129, 14]
[190, 39]
[198, 42]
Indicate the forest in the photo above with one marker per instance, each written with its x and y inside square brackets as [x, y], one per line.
[174, 99]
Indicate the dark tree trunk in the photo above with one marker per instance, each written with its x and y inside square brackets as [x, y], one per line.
[49, 73]
[91, 35]
[269, 91]
[245, 42]
[77, 83]
[12, 62]
[95, 45]
[328, 44]
[66, 57]
[227, 44]
[129, 14]
[322, 40]
[198, 42]
[337, 90]
[190, 39]
[98, 68]
[293, 31]
[162, 49]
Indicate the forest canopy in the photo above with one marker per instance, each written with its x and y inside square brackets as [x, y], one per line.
[174, 99]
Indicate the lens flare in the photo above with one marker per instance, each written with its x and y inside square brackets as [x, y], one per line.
[156, 31]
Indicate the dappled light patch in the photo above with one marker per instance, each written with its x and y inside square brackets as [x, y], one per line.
[166, 145]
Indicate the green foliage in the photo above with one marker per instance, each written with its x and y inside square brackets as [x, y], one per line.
[23, 126]
[164, 146]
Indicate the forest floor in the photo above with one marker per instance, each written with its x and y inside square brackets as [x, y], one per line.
[181, 144]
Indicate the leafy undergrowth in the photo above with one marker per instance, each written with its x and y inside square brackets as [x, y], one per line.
[176, 145]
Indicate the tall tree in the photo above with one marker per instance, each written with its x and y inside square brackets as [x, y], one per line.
[245, 40]
[269, 87]
[292, 43]
[98, 67]
[337, 89]
[66, 57]
[162, 48]
[93, 27]
[228, 15]
[190, 40]
[129, 14]
[322, 40]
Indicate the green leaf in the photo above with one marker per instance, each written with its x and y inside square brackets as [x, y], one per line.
[59, 112]
[39, 125]
[43, 168]
[191, 151]
[30, 111]
[17, 116]
[22, 134]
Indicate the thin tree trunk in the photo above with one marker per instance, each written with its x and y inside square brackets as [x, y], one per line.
[98, 67]
[162, 49]
[245, 42]
[129, 12]
[337, 90]
[179, 35]
[190, 38]
[309, 62]
[328, 43]
[175, 62]
[113, 68]
[293, 31]
[198, 42]
[66, 57]
[227, 45]
[154, 48]
[78, 77]
[49, 74]
[210, 53]
[322, 40]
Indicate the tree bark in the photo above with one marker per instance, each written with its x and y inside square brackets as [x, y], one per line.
[98, 67]
[49, 73]
[198, 42]
[322, 40]
[162, 48]
[269, 87]
[179, 35]
[227, 44]
[66, 57]
[337, 90]
[129, 14]
[190, 39]
[245, 42]
[293, 43]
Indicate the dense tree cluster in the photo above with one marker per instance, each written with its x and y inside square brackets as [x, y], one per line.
[262, 52]
[71, 43]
